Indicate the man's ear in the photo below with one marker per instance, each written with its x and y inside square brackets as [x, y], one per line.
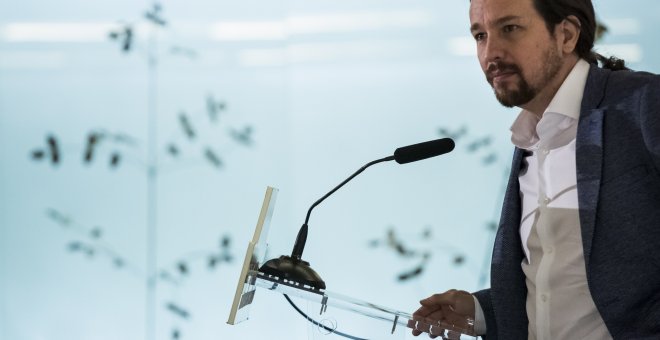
[569, 30]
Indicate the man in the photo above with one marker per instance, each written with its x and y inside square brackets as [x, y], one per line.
[577, 251]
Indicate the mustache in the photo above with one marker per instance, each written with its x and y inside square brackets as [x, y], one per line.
[499, 67]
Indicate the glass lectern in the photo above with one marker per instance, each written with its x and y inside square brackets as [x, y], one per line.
[327, 311]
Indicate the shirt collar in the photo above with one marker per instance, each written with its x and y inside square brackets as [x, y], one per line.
[566, 103]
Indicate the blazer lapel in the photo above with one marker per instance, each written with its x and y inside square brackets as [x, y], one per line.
[508, 233]
[589, 154]
[508, 286]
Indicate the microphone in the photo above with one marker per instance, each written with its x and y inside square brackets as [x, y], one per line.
[417, 152]
[293, 269]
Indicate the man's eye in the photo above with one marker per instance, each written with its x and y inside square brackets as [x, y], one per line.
[479, 36]
[510, 28]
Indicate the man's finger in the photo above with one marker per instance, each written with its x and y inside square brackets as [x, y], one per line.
[424, 311]
[446, 298]
[424, 325]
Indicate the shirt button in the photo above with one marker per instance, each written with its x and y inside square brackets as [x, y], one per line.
[545, 151]
[546, 200]
[550, 250]
[544, 297]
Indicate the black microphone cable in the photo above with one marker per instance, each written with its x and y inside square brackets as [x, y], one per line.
[348, 336]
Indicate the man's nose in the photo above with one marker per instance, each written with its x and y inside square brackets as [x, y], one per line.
[493, 50]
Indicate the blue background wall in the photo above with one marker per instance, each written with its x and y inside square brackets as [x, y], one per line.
[305, 93]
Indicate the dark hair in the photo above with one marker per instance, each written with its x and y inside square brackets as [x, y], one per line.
[554, 12]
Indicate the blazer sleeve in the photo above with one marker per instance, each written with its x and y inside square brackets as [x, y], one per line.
[650, 119]
[487, 306]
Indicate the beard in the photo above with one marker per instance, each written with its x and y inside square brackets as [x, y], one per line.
[523, 92]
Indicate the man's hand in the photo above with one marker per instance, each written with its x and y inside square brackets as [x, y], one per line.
[453, 307]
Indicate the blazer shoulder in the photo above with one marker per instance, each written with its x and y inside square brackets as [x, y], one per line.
[624, 88]
[634, 80]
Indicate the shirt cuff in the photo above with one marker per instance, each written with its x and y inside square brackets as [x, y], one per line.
[479, 319]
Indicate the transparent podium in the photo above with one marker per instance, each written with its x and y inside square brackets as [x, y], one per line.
[329, 314]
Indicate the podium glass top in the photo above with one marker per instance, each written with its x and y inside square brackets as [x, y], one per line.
[377, 321]
[397, 320]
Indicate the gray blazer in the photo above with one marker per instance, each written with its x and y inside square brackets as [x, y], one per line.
[618, 180]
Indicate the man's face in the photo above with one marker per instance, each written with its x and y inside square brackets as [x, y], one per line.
[517, 53]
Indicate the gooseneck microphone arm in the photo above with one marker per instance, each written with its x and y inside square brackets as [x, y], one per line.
[293, 269]
[301, 239]
[386, 159]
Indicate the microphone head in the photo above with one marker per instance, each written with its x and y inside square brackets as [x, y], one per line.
[417, 152]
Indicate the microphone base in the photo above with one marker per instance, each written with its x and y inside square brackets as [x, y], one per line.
[295, 272]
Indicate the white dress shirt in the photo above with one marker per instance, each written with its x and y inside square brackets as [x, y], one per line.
[556, 277]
